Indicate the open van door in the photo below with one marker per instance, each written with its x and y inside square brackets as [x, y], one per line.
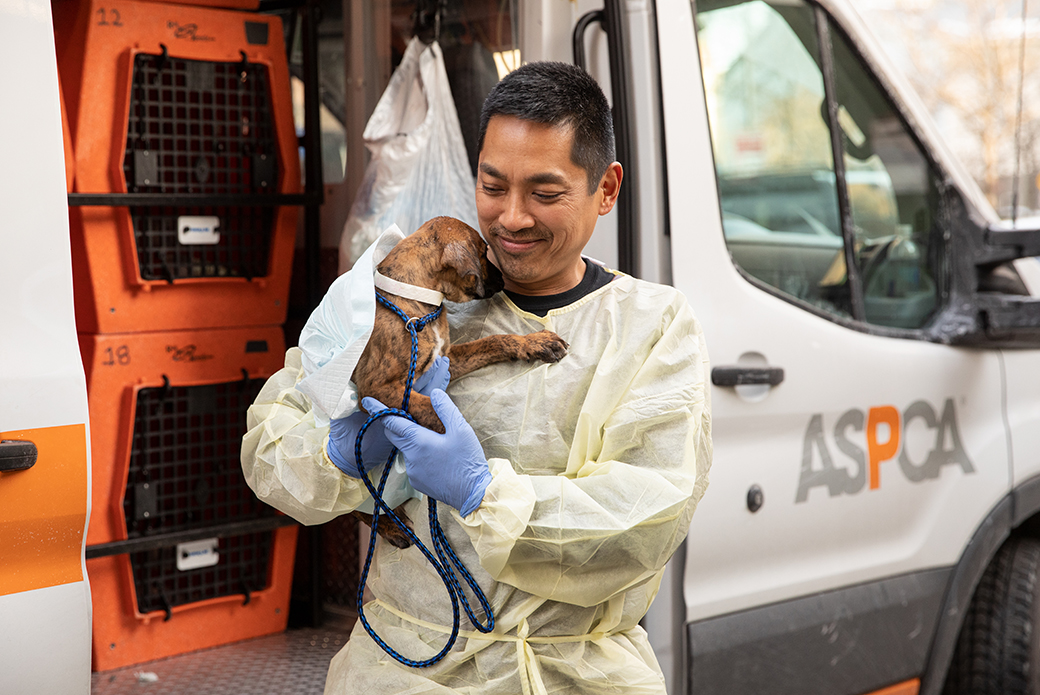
[44, 465]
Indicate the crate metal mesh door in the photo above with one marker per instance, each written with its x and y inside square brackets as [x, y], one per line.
[200, 127]
[187, 190]
[184, 474]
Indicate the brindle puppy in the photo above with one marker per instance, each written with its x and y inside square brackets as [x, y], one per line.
[449, 256]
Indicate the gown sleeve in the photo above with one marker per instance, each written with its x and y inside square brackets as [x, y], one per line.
[283, 456]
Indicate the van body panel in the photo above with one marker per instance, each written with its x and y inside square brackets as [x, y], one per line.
[45, 643]
[1023, 412]
[852, 640]
[44, 595]
[45, 507]
[812, 534]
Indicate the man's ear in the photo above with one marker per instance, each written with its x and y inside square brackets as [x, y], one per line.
[610, 187]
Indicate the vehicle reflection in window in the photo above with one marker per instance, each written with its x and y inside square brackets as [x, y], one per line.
[772, 147]
[768, 113]
[892, 198]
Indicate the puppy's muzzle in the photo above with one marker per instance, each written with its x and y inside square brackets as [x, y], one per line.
[493, 281]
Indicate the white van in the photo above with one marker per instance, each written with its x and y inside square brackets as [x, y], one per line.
[870, 523]
[875, 406]
[44, 445]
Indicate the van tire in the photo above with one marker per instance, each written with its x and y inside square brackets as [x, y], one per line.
[998, 650]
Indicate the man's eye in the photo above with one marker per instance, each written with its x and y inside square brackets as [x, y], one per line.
[490, 190]
[546, 197]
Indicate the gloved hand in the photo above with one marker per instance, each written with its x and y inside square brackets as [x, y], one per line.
[375, 449]
[449, 467]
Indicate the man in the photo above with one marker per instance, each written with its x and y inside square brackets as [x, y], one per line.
[577, 480]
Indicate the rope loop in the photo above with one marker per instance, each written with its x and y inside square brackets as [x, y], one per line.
[445, 555]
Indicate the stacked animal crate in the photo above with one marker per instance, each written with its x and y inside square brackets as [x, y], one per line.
[186, 160]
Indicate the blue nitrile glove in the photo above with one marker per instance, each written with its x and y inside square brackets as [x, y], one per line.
[375, 449]
[449, 467]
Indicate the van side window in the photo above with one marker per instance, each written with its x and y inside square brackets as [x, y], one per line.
[788, 98]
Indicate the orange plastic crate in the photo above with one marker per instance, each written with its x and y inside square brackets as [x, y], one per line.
[178, 100]
[230, 4]
[70, 158]
[167, 414]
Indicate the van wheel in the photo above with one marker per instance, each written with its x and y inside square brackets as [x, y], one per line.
[998, 651]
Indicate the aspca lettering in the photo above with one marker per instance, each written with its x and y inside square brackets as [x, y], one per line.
[885, 429]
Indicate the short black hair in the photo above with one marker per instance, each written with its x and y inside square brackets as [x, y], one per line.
[558, 94]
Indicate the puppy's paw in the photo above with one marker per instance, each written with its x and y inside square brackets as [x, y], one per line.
[392, 533]
[545, 346]
[389, 531]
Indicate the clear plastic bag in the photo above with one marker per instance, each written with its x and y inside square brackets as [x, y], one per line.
[419, 168]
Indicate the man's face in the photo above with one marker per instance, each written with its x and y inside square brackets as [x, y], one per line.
[534, 205]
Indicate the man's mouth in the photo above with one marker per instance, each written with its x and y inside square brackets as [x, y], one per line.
[511, 244]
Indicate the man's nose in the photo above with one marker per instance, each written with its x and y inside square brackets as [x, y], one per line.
[515, 215]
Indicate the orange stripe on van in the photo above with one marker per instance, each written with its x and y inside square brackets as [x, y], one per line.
[910, 687]
[43, 511]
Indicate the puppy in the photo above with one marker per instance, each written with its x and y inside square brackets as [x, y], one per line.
[448, 256]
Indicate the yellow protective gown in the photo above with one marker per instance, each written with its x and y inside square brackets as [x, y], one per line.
[597, 464]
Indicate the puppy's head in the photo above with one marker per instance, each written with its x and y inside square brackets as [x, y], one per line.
[465, 272]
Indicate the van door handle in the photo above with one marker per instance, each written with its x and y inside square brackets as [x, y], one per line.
[17, 455]
[744, 376]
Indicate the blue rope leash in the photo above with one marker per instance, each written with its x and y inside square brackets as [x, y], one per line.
[445, 555]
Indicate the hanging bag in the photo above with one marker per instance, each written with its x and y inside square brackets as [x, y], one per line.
[419, 168]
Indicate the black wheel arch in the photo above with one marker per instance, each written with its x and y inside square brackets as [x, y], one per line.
[1018, 512]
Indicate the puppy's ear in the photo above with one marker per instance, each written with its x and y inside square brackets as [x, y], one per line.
[460, 257]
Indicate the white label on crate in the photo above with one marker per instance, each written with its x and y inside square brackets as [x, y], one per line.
[198, 230]
[197, 554]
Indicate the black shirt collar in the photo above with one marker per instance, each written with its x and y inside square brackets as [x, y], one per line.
[596, 276]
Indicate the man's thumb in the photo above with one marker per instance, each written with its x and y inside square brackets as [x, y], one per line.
[397, 426]
[442, 373]
[446, 409]
[372, 405]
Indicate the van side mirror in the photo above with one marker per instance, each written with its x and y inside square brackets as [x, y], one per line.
[995, 307]
[1015, 243]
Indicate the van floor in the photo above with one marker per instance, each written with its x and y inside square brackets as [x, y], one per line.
[293, 662]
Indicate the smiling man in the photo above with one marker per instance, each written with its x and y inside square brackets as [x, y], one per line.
[535, 205]
[567, 486]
